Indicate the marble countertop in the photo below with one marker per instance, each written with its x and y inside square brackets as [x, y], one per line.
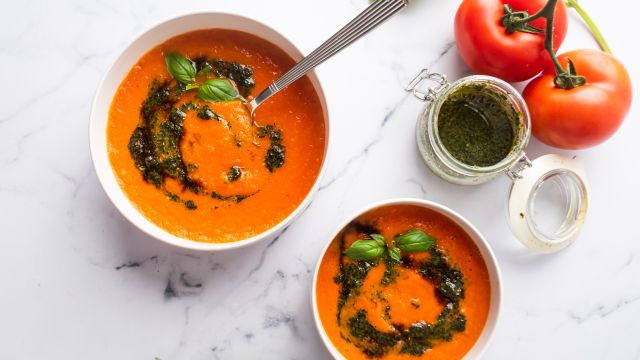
[81, 282]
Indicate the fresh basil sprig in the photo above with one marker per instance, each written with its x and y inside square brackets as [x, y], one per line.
[216, 90]
[395, 253]
[364, 250]
[212, 90]
[379, 239]
[413, 240]
[180, 68]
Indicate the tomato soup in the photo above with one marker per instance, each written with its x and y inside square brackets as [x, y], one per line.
[188, 155]
[429, 300]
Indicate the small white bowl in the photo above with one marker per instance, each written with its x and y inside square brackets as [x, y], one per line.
[485, 251]
[107, 88]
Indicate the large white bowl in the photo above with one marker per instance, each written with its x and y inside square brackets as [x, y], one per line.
[107, 88]
[485, 251]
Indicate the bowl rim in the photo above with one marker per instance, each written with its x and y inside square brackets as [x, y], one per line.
[160, 233]
[486, 252]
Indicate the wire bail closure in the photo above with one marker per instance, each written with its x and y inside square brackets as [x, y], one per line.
[515, 172]
[427, 93]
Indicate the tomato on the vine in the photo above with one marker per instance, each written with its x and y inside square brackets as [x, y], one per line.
[487, 47]
[585, 115]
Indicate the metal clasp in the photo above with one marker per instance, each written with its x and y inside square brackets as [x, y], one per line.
[515, 171]
[427, 93]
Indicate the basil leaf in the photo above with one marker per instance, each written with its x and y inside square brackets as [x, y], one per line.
[394, 253]
[204, 71]
[415, 241]
[379, 239]
[364, 250]
[180, 68]
[217, 90]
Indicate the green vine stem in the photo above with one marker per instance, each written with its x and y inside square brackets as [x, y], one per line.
[591, 24]
[519, 21]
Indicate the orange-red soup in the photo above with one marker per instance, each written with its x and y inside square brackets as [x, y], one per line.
[410, 298]
[221, 210]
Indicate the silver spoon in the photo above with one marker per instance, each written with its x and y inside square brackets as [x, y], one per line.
[371, 17]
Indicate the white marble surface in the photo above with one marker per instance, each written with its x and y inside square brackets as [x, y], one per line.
[80, 282]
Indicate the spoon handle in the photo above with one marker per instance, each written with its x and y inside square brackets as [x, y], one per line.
[371, 17]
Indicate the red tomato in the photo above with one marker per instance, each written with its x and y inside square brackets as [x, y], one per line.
[488, 49]
[583, 116]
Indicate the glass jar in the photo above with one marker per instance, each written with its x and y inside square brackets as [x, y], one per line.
[548, 200]
[430, 145]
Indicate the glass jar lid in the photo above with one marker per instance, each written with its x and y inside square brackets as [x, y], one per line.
[548, 201]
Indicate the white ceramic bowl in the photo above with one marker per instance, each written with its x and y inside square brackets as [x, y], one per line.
[487, 255]
[107, 88]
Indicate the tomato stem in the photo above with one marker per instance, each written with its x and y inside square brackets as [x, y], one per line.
[519, 20]
[591, 24]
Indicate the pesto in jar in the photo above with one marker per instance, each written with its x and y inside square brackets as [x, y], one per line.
[478, 125]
